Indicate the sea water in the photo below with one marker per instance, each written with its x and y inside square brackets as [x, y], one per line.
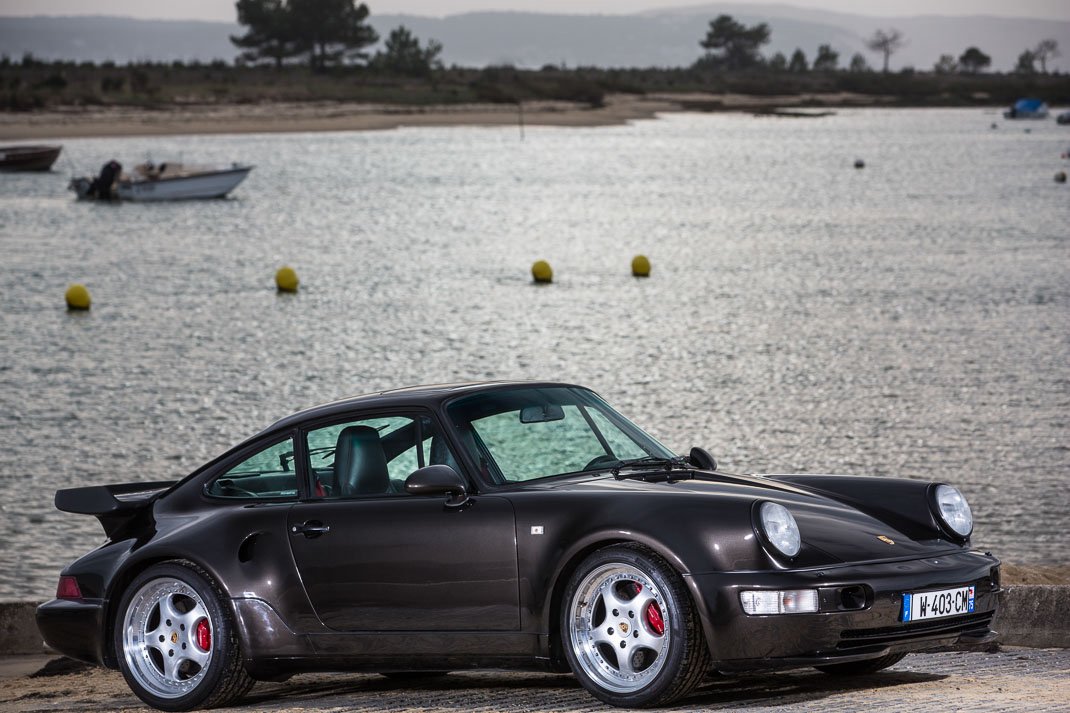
[908, 319]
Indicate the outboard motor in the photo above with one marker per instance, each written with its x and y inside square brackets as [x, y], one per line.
[101, 187]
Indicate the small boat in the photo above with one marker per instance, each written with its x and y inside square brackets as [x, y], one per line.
[1027, 109]
[160, 182]
[1063, 118]
[28, 158]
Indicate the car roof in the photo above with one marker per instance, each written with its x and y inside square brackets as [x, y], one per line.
[427, 396]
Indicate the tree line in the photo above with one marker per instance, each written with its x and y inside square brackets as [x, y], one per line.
[322, 34]
[327, 32]
[731, 45]
[333, 32]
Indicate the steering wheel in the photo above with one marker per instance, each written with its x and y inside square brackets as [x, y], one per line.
[603, 460]
[235, 491]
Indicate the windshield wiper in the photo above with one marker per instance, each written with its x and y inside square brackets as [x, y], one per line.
[650, 463]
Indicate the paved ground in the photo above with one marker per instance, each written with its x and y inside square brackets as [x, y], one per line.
[1014, 680]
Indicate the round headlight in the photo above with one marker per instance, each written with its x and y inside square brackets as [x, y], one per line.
[780, 528]
[954, 510]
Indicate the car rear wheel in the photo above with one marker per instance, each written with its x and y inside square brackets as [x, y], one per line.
[858, 668]
[630, 631]
[176, 644]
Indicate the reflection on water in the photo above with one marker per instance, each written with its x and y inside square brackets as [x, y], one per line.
[908, 319]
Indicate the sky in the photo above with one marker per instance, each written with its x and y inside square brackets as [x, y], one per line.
[224, 9]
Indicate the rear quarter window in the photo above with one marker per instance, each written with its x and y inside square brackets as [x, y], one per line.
[268, 473]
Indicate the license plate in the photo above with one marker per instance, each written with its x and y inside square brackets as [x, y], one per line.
[933, 605]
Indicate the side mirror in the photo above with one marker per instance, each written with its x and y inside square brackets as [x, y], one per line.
[701, 459]
[438, 480]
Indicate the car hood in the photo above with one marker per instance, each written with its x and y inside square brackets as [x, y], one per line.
[834, 529]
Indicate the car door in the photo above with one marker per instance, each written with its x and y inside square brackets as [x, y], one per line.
[374, 558]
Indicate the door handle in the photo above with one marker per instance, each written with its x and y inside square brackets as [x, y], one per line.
[311, 529]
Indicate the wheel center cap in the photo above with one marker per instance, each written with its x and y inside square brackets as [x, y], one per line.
[174, 637]
[623, 626]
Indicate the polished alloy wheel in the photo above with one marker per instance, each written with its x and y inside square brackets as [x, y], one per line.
[618, 627]
[167, 637]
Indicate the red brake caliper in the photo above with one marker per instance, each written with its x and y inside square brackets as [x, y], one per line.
[653, 618]
[204, 635]
[652, 613]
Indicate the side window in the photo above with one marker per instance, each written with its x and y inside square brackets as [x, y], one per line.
[266, 474]
[373, 456]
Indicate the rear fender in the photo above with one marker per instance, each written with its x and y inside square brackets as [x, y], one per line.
[121, 581]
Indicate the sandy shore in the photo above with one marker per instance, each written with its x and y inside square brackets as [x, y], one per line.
[74, 122]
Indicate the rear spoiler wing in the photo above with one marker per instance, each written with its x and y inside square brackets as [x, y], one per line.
[113, 505]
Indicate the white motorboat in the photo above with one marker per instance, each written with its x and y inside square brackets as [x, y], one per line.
[160, 182]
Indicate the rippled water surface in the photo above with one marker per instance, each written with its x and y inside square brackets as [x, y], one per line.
[908, 319]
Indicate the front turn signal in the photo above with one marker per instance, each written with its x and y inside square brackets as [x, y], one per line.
[791, 601]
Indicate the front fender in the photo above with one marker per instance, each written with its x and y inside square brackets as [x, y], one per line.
[691, 534]
[903, 504]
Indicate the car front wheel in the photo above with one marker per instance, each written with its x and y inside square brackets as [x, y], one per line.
[176, 645]
[629, 629]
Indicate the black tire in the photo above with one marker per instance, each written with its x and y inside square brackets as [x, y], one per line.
[592, 622]
[859, 668]
[221, 680]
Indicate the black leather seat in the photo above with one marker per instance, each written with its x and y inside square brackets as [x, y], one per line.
[359, 463]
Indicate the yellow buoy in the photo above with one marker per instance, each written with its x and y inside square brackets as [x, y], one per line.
[286, 279]
[641, 266]
[542, 272]
[77, 297]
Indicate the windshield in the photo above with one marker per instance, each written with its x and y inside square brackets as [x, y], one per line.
[522, 434]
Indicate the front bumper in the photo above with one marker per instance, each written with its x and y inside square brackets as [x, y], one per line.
[859, 613]
[75, 628]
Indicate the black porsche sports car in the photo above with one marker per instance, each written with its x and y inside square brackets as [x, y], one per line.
[507, 525]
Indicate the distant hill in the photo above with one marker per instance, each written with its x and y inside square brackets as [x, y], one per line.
[662, 38]
[532, 40]
[928, 36]
[121, 39]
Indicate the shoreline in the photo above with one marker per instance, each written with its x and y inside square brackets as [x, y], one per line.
[301, 117]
